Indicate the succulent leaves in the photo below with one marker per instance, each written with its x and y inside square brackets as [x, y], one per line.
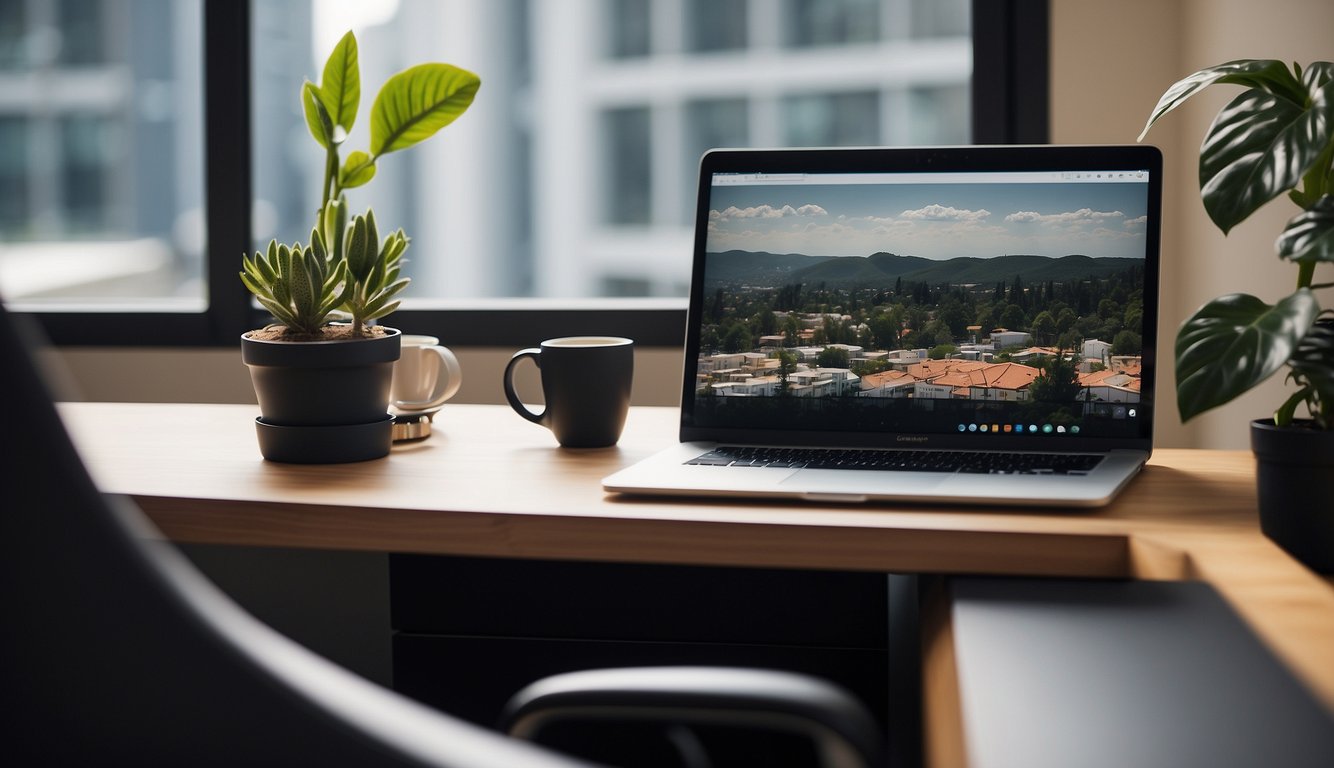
[302, 287]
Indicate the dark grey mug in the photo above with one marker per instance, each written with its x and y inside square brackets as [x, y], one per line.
[586, 384]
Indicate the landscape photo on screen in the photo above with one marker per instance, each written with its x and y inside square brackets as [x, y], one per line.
[1010, 307]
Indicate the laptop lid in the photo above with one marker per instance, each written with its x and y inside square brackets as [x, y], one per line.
[966, 297]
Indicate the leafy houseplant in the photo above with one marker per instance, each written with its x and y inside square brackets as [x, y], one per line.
[1276, 137]
[323, 387]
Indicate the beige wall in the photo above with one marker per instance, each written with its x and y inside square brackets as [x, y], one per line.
[219, 376]
[1110, 62]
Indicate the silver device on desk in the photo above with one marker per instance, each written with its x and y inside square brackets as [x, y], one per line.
[955, 324]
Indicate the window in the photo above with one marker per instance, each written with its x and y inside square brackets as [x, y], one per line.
[101, 159]
[600, 118]
[831, 22]
[716, 25]
[626, 167]
[570, 180]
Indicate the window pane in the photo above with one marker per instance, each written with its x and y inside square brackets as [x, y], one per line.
[940, 18]
[716, 25]
[627, 170]
[83, 29]
[832, 22]
[627, 28]
[573, 174]
[90, 145]
[709, 124]
[939, 115]
[832, 120]
[101, 152]
[14, 194]
[12, 28]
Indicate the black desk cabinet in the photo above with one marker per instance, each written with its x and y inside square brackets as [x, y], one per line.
[468, 632]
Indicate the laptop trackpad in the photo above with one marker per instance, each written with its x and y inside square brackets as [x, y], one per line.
[862, 482]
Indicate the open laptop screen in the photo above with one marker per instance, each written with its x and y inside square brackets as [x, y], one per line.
[974, 291]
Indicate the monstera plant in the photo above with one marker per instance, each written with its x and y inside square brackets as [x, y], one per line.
[323, 386]
[1274, 138]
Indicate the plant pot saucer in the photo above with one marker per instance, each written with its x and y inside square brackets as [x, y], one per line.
[335, 444]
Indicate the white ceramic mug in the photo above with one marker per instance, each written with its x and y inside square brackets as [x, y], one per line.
[426, 374]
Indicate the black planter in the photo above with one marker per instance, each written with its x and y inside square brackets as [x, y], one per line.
[1295, 483]
[323, 401]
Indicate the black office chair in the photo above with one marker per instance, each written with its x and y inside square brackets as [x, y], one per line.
[116, 651]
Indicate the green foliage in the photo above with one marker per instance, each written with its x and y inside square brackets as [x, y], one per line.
[300, 286]
[417, 102]
[787, 365]
[737, 338]
[1013, 317]
[348, 267]
[1313, 371]
[833, 357]
[373, 269]
[1044, 328]
[1127, 343]
[1276, 137]
[870, 367]
[340, 91]
[1059, 382]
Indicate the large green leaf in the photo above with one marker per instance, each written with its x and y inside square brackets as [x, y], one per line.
[340, 85]
[1259, 147]
[415, 103]
[1310, 235]
[1316, 75]
[1233, 343]
[358, 169]
[1267, 74]
[1320, 178]
[317, 115]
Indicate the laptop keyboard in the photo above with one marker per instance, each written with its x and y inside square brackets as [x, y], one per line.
[972, 462]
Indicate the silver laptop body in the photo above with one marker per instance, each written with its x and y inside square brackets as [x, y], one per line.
[974, 324]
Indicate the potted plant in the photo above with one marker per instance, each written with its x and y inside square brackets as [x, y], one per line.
[1276, 137]
[323, 386]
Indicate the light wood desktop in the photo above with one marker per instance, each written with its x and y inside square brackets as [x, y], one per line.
[490, 484]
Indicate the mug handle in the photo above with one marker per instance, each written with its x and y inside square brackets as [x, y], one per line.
[513, 397]
[447, 383]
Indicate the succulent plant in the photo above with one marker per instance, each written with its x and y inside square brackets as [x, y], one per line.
[305, 287]
[346, 267]
[300, 286]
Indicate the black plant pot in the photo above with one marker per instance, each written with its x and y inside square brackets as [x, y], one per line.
[1295, 482]
[323, 401]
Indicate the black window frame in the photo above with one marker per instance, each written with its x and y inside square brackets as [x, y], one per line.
[1010, 97]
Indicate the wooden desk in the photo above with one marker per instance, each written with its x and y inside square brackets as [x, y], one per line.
[489, 483]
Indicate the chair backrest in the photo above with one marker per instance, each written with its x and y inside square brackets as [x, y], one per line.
[115, 650]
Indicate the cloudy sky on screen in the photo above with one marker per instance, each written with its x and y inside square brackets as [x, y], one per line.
[935, 221]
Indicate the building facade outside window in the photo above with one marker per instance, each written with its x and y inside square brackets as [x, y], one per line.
[571, 179]
[573, 174]
[101, 152]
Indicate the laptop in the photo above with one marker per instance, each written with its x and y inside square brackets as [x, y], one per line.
[952, 325]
